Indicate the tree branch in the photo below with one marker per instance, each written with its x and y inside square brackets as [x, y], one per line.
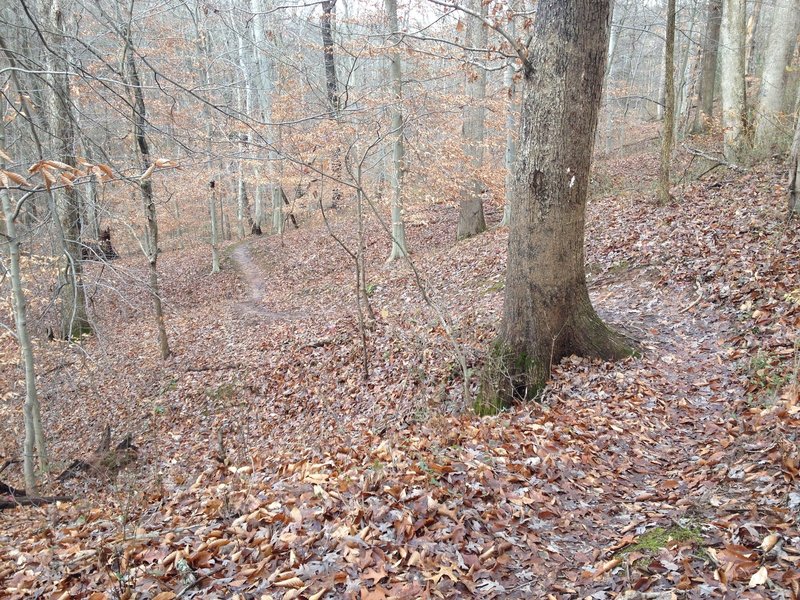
[521, 50]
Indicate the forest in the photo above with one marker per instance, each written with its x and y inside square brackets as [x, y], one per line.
[399, 299]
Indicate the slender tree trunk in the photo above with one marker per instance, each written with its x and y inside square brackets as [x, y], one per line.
[794, 173]
[662, 92]
[668, 129]
[243, 97]
[547, 312]
[242, 211]
[610, 78]
[511, 138]
[258, 216]
[278, 199]
[753, 23]
[332, 88]
[708, 76]
[731, 55]
[771, 125]
[399, 166]
[471, 220]
[142, 149]
[90, 219]
[204, 57]
[267, 73]
[74, 317]
[178, 226]
[34, 442]
[685, 71]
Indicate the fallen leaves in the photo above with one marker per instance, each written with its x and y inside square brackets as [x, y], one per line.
[287, 476]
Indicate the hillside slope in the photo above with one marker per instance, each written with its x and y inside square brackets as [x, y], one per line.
[269, 467]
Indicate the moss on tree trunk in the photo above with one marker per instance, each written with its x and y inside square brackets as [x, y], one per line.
[547, 313]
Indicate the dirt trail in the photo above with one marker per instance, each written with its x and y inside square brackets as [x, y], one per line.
[251, 274]
[255, 280]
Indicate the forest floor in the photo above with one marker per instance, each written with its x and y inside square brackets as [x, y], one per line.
[270, 467]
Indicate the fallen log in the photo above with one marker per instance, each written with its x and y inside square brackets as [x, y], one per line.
[15, 501]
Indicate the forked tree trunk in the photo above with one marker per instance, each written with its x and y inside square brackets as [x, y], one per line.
[398, 149]
[547, 312]
[731, 55]
[668, 129]
[471, 220]
[708, 76]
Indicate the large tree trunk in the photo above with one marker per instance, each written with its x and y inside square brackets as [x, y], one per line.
[398, 149]
[708, 75]
[731, 56]
[74, 318]
[471, 220]
[547, 312]
[770, 123]
[668, 129]
[142, 149]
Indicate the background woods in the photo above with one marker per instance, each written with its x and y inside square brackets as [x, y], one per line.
[264, 267]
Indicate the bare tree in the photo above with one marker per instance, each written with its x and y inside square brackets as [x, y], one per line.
[732, 63]
[34, 442]
[771, 126]
[398, 149]
[708, 69]
[74, 318]
[471, 220]
[668, 128]
[150, 244]
[547, 312]
[511, 122]
[794, 173]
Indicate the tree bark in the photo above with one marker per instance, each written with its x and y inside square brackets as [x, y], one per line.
[74, 317]
[668, 129]
[794, 173]
[278, 200]
[34, 441]
[753, 23]
[142, 149]
[398, 149]
[204, 49]
[511, 133]
[770, 123]
[547, 313]
[708, 75]
[731, 56]
[332, 88]
[471, 220]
